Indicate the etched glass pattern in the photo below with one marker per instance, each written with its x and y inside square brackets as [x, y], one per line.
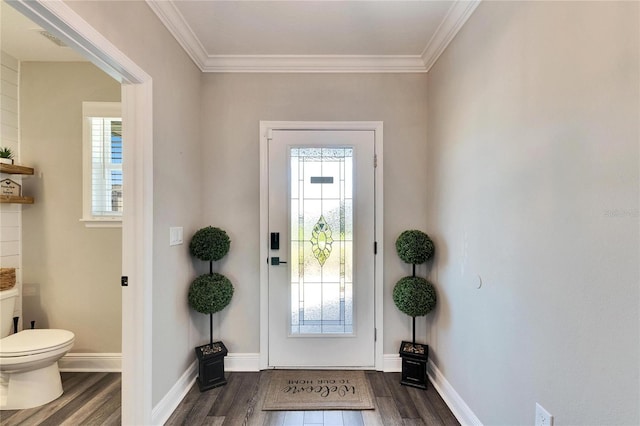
[321, 240]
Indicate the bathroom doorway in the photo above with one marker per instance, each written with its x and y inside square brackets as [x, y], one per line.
[62, 23]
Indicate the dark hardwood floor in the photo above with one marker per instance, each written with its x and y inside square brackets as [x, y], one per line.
[94, 399]
[240, 402]
[88, 399]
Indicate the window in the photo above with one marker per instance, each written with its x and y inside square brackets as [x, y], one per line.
[102, 164]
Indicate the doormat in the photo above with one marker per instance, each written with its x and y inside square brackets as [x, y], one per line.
[294, 390]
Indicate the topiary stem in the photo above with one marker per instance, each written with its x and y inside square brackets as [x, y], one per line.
[211, 314]
[414, 269]
[414, 331]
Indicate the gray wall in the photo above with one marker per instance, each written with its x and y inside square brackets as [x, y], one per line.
[533, 185]
[233, 105]
[529, 179]
[71, 273]
[136, 31]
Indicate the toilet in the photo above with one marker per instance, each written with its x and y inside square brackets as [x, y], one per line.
[29, 375]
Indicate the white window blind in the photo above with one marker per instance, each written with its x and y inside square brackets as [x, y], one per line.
[103, 184]
[106, 162]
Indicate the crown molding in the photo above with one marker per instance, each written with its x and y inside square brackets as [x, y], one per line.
[457, 15]
[313, 63]
[173, 20]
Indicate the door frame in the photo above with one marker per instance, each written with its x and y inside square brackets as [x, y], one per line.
[137, 219]
[266, 128]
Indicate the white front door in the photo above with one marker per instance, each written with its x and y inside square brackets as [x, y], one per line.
[321, 248]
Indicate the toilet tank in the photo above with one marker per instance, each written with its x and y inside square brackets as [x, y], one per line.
[7, 306]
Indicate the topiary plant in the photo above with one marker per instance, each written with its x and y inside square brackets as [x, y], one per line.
[212, 292]
[413, 295]
[414, 247]
[209, 244]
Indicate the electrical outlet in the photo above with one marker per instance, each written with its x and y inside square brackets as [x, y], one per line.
[543, 417]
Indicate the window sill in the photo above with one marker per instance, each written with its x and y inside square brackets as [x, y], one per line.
[102, 223]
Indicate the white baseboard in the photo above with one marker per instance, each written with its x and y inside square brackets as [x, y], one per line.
[454, 401]
[92, 362]
[459, 408]
[242, 362]
[391, 363]
[167, 405]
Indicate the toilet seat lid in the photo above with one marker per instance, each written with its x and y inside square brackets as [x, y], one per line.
[31, 342]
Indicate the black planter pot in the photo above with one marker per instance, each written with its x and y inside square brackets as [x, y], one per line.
[211, 365]
[414, 364]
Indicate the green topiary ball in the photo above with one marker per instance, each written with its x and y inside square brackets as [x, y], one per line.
[414, 296]
[210, 293]
[414, 247]
[209, 244]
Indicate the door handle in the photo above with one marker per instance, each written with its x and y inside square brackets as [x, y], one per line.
[275, 261]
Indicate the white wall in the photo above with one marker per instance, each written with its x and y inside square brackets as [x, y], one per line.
[233, 105]
[534, 186]
[10, 214]
[71, 273]
[137, 32]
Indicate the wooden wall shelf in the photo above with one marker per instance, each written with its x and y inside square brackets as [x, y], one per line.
[15, 200]
[14, 169]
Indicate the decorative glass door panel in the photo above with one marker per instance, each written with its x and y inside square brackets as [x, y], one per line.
[321, 240]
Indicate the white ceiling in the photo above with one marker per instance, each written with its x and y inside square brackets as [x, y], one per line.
[313, 35]
[283, 36]
[313, 27]
[21, 39]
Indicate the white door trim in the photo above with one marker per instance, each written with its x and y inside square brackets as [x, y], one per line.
[137, 230]
[266, 127]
